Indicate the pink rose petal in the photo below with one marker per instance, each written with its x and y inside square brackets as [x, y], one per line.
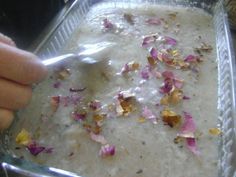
[192, 58]
[170, 41]
[154, 53]
[126, 68]
[168, 74]
[192, 145]
[148, 40]
[188, 128]
[178, 83]
[95, 105]
[78, 116]
[72, 99]
[98, 138]
[147, 114]
[145, 74]
[156, 74]
[34, 149]
[186, 98]
[167, 86]
[154, 21]
[163, 57]
[107, 150]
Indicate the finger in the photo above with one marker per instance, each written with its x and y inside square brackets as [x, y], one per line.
[6, 40]
[20, 66]
[14, 96]
[6, 118]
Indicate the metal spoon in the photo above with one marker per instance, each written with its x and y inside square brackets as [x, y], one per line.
[90, 54]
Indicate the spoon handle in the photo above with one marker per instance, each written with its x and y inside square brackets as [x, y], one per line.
[57, 59]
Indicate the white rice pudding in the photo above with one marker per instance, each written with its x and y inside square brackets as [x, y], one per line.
[147, 142]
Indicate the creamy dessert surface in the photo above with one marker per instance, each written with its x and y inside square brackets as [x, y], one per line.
[130, 104]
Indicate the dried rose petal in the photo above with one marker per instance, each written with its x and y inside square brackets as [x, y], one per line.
[167, 87]
[124, 103]
[131, 66]
[147, 113]
[186, 97]
[79, 115]
[141, 120]
[23, 138]
[125, 69]
[188, 128]
[95, 105]
[54, 102]
[203, 48]
[176, 96]
[96, 129]
[168, 74]
[165, 100]
[75, 99]
[170, 117]
[192, 59]
[180, 64]
[98, 138]
[72, 99]
[152, 61]
[87, 126]
[215, 131]
[154, 53]
[154, 21]
[34, 149]
[99, 118]
[174, 53]
[126, 94]
[119, 110]
[107, 24]
[170, 41]
[145, 74]
[126, 106]
[156, 74]
[148, 40]
[178, 83]
[163, 57]
[192, 146]
[57, 84]
[107, 150]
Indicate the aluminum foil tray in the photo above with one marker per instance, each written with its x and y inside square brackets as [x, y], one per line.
[60, 31]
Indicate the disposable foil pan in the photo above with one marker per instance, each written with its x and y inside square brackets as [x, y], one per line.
[60, 32]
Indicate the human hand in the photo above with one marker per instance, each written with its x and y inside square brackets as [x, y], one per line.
[18, 71]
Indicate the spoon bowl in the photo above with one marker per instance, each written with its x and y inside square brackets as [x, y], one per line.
[90, 54]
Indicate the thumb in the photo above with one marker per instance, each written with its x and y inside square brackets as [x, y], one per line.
[6, 40]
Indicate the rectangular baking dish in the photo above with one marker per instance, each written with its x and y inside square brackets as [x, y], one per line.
[61, 29]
